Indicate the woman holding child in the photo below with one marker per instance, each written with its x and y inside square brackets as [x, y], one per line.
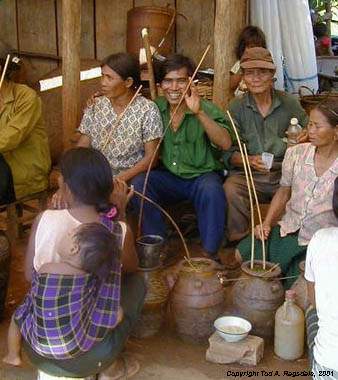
[303, 203]
[81, 305]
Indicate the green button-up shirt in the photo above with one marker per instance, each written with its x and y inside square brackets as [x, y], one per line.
[188, 151]
[265, 134]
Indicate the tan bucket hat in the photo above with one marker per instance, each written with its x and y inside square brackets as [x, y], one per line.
[257, 57]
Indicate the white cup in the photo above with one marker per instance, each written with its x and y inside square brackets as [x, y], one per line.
[267, 158]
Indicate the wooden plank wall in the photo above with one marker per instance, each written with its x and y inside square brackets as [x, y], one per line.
[36, 26]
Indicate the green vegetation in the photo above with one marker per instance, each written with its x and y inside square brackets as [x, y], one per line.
[324, 11]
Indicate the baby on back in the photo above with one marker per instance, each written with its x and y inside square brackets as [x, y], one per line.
[73, 263]
[74, 247]
[83, 248]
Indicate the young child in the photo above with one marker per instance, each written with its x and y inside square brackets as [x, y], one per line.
[92, 249]
[251, 36]
[74, 267]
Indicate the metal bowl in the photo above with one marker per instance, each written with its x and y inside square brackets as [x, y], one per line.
[232, 329]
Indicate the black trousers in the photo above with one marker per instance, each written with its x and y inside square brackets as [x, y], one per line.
[7, 194]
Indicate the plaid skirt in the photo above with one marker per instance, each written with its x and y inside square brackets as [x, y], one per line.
[283, 250]
[63, 316]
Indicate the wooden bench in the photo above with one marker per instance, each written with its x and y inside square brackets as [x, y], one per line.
[19, 214]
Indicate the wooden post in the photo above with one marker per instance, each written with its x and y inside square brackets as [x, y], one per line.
[71, 38]
[146, 44]
[230, 19]
[328, 9]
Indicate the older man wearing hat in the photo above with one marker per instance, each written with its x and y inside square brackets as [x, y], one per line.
[262, 116]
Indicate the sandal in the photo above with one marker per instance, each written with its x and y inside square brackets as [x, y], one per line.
[124, 367]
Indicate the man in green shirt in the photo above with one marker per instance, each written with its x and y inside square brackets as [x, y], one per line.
[262, 117]
[190, 166]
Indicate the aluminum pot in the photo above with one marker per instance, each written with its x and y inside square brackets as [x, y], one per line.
[149, 251]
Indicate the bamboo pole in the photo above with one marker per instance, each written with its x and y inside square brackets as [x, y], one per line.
[230, 18]
[4, 70]
[246, 164]
[164, 132]
[258, 208]
[250, 278]
[166, 32]
[146, 43]
[328, 9]
[71, 41]
[271, 269]
[142, 196]
[252, 217]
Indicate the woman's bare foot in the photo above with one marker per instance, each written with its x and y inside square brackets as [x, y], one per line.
[12, 359]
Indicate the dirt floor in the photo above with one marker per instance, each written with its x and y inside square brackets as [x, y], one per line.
[163, 356]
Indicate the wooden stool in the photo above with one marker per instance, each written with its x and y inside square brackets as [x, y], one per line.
[16, 220]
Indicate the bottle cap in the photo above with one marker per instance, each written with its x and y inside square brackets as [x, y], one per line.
[290, 294]
[294, 121]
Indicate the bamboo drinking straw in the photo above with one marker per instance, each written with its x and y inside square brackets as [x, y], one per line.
[245, 164]
[164, 132]
[258, 207]
[252, 217]
[120, 118]
[271, 269]
[166, 32]
[4, 70]
[142, 196]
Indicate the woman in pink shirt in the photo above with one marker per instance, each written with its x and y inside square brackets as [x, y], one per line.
[303, 203]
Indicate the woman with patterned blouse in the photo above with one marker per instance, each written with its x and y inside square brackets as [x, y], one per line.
[132, 140]
[303, 203]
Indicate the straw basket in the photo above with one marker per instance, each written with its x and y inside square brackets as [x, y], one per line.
[308, 102]
[205, 88]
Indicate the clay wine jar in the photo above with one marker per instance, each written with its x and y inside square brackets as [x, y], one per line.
[197, 299]
[257, 297]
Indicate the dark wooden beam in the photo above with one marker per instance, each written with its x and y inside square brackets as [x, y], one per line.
[71, 40]
[230, 18]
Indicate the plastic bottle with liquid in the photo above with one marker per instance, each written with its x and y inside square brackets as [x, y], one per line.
[293, 132]
[289, 329]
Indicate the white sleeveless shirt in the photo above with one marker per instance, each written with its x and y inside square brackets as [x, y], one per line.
[53, 239]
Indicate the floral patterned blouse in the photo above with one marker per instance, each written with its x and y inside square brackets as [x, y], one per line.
[140, 124]
[310, 206]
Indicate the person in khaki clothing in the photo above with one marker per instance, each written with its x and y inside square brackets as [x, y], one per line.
[262, 116]
[24, 150]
